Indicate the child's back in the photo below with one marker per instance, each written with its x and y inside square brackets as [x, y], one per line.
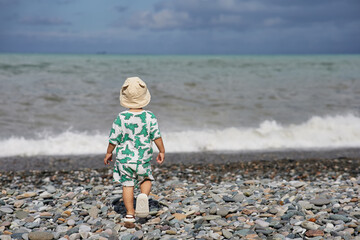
[132, 134]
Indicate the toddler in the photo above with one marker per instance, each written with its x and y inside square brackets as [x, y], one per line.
[132, 134]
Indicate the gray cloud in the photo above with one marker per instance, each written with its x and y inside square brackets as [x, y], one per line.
[8, 2]
[186, 27]
[46, 21]
[121, 8]
[239, 15]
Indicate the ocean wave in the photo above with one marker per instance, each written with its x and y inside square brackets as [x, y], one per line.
[317, 132]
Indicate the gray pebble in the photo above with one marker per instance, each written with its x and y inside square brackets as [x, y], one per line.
[6, 209]
[320, 201]
[40, 236]
[222, 211]
[339, 217]
[226, 233]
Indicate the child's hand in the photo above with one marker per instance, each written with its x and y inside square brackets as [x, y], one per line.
[160, 158]
[108, 158]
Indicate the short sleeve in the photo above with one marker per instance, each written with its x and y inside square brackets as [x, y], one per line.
[115, 135]
[154, 128]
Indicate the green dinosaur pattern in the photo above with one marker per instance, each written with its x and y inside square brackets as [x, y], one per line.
[127, 115]
[127, 151]
[141, 152]
[144, 174]
[152, 115]
[118, 121]
[126, 138]
[153, 134]
[138, 143]
[124, 178]
[116, 170]
[131, 126]
[142, 117]
[145, 165]
[117, 151]
[150, 152]
[111, 131]
[143, 131]
[124, 160]
[128, 169]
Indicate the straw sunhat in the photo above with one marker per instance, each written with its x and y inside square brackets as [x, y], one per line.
[134, 93]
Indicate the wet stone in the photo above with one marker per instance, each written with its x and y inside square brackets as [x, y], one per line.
[71, 222]
[228, 199]
[40, 236]
[5, 223]
[239, 197]
[216, 198]
[222, 211]
[320, 201]
[18, 203]
[226, 233]
[17, 235]
[32, 225]
[213, 210]
[6, 209]
[314, 233]
[339, 217]
[265, 231]
[21, 214]
[262, 223]
[309, 225]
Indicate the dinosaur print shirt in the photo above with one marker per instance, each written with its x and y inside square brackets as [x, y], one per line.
[133, 133]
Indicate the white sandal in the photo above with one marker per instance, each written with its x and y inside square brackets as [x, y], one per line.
[142, 206]
[129, 218]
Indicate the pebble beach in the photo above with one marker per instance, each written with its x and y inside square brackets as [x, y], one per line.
[279, 198]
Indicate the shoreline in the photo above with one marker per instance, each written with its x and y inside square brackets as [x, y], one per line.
[78, 162]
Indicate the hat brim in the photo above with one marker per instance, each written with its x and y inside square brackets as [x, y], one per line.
[138, 103]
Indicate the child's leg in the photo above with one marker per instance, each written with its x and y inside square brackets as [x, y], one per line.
[145, 187]
[128, 198]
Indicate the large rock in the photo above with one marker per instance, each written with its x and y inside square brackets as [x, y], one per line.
[93, 212]
[222, 211]
[239, 197]
[339, 217]
[227, 233]
[26, 195]
[314, 233]
[262, 223]
[40, 236]
[320, 201]
[6, 210]
[216, 197]
[309, 225]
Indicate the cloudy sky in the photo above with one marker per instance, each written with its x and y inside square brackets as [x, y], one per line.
[180, 26]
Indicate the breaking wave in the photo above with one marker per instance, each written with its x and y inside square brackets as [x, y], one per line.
[318, 132]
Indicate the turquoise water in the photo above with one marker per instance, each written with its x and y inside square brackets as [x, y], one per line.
[45, 96]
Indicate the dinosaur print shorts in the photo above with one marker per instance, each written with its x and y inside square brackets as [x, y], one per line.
[132, 174]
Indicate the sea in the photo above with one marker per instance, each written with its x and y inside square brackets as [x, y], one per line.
[62, 104]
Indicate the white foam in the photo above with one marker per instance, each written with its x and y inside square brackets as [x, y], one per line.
[317, 132]
[73, 143]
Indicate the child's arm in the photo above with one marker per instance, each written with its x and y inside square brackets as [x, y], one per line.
[108, 156]
[160, 145]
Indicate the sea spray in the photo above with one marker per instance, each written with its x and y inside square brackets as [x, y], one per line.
[317, 132]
